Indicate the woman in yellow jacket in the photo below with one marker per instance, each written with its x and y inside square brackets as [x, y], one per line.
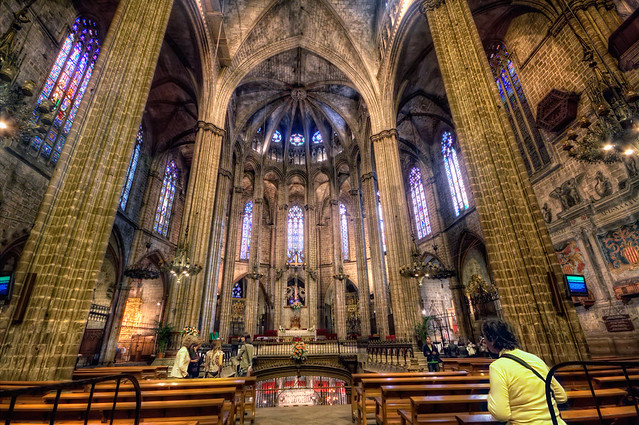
[518, 394]
[182, 358]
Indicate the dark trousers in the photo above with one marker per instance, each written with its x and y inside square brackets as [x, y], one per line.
[433, 367]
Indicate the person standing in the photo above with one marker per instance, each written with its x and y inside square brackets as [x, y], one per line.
[182, 359]
[214, 360]
[195, 359]
[432, 355]
[517, 380]
[245, 356]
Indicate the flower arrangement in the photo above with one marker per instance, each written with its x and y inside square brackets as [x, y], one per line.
[190, 330]
[296, 305]
[299, 351]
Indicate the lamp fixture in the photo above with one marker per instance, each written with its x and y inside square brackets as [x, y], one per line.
[418, 268]
[340, 275]
[255, 274]
[181, 267]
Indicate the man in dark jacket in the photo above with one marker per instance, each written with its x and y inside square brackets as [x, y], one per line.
[432, 355]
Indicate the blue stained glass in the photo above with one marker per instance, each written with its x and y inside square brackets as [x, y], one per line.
[46, 151]
[297, 139]
[420, 206]
[277, 137]
[69, 77]
[36, 142]
[131, 171]
[60, 144]
[165, 204]
[453, 173]
[236, 291]
[317, 138]
[247, 224]
[295, 252]
[344, 226]
[54, 157]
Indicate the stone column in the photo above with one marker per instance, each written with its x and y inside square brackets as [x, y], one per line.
[375, 245]
[362, 270]
[253, 287]
[212, 271]
[338, 265]
[312, 291]
[404, 291]
[200, 199]
[281, 275]
[519, 249]
[66, 247]
[232, 238]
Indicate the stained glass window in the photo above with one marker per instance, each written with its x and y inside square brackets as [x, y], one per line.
[165, 205]
[453, 173]
[295, 251]
[381, 221]
[65, 87]
[131, 172]
[420, 207]
[297, 139]
[237, 290]
[247, 223]
[529, 140]
[277, 137]
[344, 225]
[317, 138]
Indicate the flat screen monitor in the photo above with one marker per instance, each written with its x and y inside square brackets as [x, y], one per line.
[6, 285]
[576, 285]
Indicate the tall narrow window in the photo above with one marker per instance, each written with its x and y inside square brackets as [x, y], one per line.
[381, 221]
[420, 207]
[237, 291]
[247, 223]
[344, 225]
[453, 173]
[131, 172]
[295, 252]
[163, 213]
[65, 86]
[529, 140]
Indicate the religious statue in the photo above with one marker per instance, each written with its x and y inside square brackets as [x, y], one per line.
[603, 187]
[632, 165]
[567, 194]
[546, 213]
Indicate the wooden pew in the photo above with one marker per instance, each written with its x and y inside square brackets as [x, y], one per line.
[357, 382]
[205, 412]
[573, 417]
[470, 364]
[140, 372]
[576, 379]
[615, 381]
[371, 388]
[396, 397]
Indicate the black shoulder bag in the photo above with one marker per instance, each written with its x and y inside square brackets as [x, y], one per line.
[529, 367]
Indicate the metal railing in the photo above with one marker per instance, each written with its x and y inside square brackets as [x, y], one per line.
[633, 391]
[395, 353]
[273, 348]
[58, 388]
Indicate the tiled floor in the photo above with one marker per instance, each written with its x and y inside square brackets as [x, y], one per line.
[304, 415]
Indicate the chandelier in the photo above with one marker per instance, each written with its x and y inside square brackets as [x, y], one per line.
[181, 267]
[418, 268]
[255, 274]
[614, 134]
[340, 275]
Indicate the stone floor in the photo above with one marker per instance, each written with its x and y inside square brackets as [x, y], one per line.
[307, 415]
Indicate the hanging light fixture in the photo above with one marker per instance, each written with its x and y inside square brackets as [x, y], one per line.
[181, 267]
[419, 269]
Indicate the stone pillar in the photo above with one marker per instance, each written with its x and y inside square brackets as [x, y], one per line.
[212, 272]
[362, 270]
[253, 286]
[232, 238]
[404, 291]
[375, 245]
[310, 236]
[281, 274]
[519, 249]
[196, 221]
[338, 261]
[66, 247]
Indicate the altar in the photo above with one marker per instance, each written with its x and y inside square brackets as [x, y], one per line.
[304, 334]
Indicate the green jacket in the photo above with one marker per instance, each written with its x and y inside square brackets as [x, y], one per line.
[245, 356]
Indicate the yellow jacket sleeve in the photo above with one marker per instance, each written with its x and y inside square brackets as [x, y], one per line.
[498, 401]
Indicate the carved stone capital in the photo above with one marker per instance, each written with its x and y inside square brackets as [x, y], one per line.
[207, 126]
[354, 192]
[333, 202]
[369, 176]
[238, 189]
[428, 5]
[258, 200]
[383, 135]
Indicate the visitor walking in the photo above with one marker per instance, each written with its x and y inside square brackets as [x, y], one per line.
[213, 361]
[182, 358]
[245, 356]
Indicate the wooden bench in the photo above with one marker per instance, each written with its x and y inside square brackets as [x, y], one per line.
[577, 379]
[371, 388]
[442, 410]
[470, 364]
[573, 417]
[140, 372]
[203, 411]
[615, 381]
[396, 397]
[357, 382]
